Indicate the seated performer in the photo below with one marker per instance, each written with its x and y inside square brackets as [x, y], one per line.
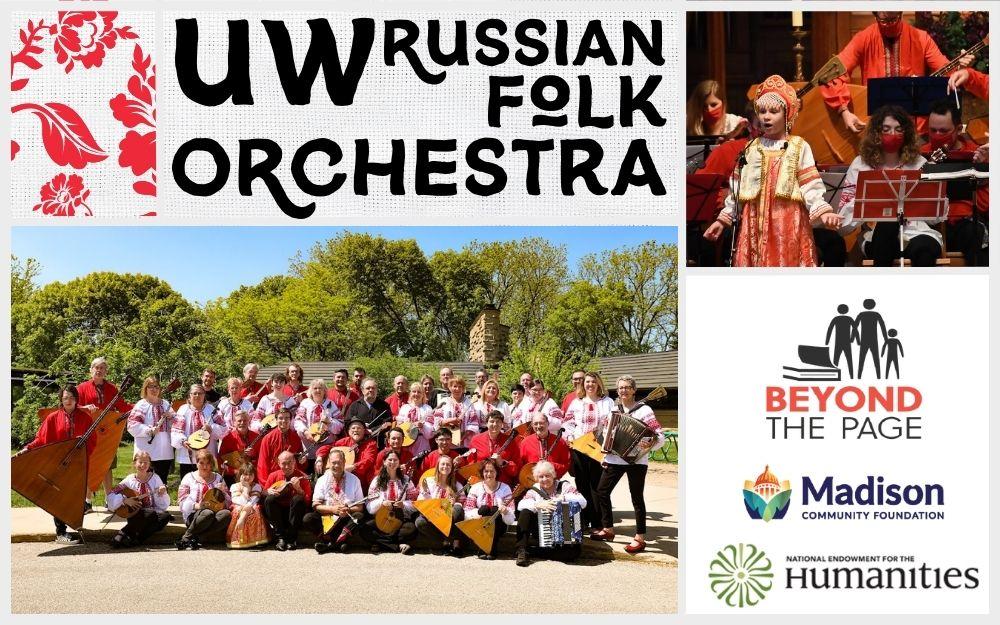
[274, 443]
[543, 497]
[69, 421]
[543, 445]
[288, 493]
[443, 486]
[150, 424]
[393, 491]
[204, 525]
[248, 528]
[488, 444]
[615, 467]
[394, 442]
[364, 447]
[706, 112]
[485, 497]
[779, 190]
[417, 413]
[538, 401]
[491, 401]
[196, 414]
[150, 498]
[238, 441]
[588, 413]
[456, 411]
[338, 494]
[316, 408]
[442, 440]
[294, 387]
[230, 404]
[889, 142]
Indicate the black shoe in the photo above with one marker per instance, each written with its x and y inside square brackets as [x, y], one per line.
[182, 544]
[293, 545]
[446, 550]
[482, 556]
[118, 541]
[323, 547]
[457, 552]
[343, 548]
[194, 543]
[376, 550]
[281, 545]
[88, 507]
[490, 557]
[522, 557]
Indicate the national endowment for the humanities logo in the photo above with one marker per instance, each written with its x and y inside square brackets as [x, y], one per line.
[767, 498]
[740, 575]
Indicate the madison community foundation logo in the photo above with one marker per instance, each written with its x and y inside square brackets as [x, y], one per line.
[767, 498]
[740, 575]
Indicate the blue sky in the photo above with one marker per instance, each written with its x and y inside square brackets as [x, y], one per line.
[244, 255]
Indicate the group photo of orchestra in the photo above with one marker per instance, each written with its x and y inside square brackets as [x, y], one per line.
[498, 445]
[837, 139]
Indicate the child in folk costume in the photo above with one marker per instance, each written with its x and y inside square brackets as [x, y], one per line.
[486, 497]
[150, 424]
[390, 489]
[150, 498]
[316, 408]
[247, 527]
[416, 413]
[203, 524]
[195, 415]
[588, 413]
[456, 411]
[443, 485]
[543, 496]
[779, 191]
[229, 406]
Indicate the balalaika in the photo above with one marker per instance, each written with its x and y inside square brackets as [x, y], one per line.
[561, 526]
[624, 432]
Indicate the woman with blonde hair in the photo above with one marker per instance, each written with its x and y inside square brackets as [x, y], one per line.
[588, 413]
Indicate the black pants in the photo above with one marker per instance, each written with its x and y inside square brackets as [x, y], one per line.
[162, 469]
[587, 473]
[313, 521]
[831, 248]
[636, 485]
[966, 236]
[429, 530]
[391, 542]
[285, 519]
[923, 251]
[62, 527]
[527, 526]
[208, 526]
[229, 479]
[145, 523]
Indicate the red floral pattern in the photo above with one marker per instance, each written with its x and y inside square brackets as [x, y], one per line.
[62, 195]
[84, 36]
[138, 149]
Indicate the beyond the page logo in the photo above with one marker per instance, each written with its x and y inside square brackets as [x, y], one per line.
[767, 498]
[740, 575]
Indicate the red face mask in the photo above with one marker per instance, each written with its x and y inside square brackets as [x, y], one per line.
[891, 142]
[891, 31]
[942, 139]
[712, 117]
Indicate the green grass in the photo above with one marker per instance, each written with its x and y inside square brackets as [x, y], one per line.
[671, 451]
[124, 468]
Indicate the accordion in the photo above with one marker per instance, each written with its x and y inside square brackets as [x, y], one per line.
[622, 436]
[561, 526]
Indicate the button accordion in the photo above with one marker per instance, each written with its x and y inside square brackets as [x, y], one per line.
[623, 434]
[561, 526]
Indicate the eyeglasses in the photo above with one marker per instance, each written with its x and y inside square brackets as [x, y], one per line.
[888, 18]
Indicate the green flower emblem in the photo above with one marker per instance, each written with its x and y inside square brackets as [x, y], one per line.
[740, 575]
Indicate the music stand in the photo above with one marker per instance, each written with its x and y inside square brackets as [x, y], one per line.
[833, 179]
[915, 94]
[702, 196]
[899, 195]
[697, 153]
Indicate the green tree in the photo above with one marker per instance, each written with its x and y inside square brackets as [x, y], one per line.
[544, 359]
[22, 286]
[588, 320]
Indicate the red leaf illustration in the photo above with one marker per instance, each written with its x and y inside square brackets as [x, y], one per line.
[144, 187]
[65, 135]
[14, 149]
[129, 112]
[17, 85]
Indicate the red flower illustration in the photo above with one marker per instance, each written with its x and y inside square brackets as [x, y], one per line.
[84, 36]
[63, 195]
[138, 152]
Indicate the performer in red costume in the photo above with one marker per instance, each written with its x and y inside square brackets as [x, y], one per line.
[535, 447]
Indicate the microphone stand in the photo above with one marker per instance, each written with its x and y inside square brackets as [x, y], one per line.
[740, 163]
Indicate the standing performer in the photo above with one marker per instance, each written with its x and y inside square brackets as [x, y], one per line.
[491, 401]
[229, 406]
[150, 424]
[96, 395]
[539, 402]
[399, 396]
[706, 112]
[204, 525]
[294, 387]
[369, 407]
[589, 412]
[577, 380]
[237, 441]
[615, 468]
[488, 445]
[289, 492]
[276, 442]
[535, 448]
[212, 394]
[316, 409]
[276, 398]
[69, 421]
[148, 495]
[485, 497]
[430, 393]
[341, 394]
[779, 190]
[391, 489]
[195, 415]
[248, 528]
[443, 486]
[417, 413]
[252, 389]
[543, 496]
[338, 493]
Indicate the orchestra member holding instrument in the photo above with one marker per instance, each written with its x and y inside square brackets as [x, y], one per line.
[212, 394]
[443, 485]
[965, 234]
[364, 447]
[516, 399]
[974, 81]
[274, 443]
[337, 494]
[394, 442]
[485, 497]
[497, 445]
[706, 112]
[416, 414]
[543, 497]
[779, 190]
[442, 439]
[150, 424]
[542, 444]
[252, 389]
[441, 393]
[195, 416]
[234, 445]
[477, 394]
[317, 421]
[294, 387]
[231, 404]
[370, 407]
[69, 421]
[577, 380]
[588, 413]
[538, 401]
[205, 523]
[248, 528]
[615, 467]
[96, 394]
[276, 398]
[399, 396]
[490, 401]
[145, 497]
[288, 493]
[889, 142]
[341, 394]
[393, 492]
